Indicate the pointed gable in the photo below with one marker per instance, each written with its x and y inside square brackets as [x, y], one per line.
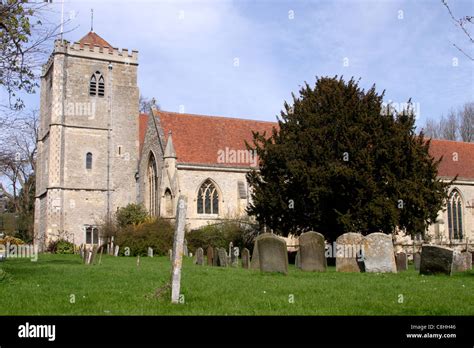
[93, 39]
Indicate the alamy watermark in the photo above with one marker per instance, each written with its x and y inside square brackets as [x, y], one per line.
[19, 251]
[232, 156]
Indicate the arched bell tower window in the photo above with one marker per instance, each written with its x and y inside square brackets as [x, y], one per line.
[208, 198]
[455, 215]
[89, 160]
[97, 85]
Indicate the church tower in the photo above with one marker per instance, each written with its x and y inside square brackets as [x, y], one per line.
[88, 147]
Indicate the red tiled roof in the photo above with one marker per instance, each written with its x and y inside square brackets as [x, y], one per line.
[201, 139]
[93, 39]
[458, 158]
[197, 139]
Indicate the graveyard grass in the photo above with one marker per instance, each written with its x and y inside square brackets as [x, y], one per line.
[118, 287]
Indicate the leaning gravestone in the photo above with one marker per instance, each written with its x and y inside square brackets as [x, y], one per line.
[178, 249]
[378, 253]
[245, 258]
[417, 261]
[312, 252]
[348, 253]
[222, 256]
[199, 256]
[436, 259]
[462, 261]
[402, 261]
[273, 255]
[210, 256]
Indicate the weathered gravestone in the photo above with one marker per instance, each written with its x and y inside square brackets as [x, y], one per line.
[245, 258]
[417, 261]
[436, 259]
[185, 248]
[273, 255]
[348, 253]
[222, 257]
[234, 259]
[312, 252]
[378, 253]
[117, 249]
[298, 259]
[150, 252]
[178, 249]
[199, 256]
[255, 262]
[210, 256]
[215, 260]
[462, 261]
[92, 255]
[401, 261]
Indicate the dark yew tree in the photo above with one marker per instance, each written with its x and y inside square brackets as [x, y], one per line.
[342, 162]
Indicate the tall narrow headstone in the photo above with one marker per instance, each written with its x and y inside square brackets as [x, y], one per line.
[150, 252]
[170, 254]
[417, 261]
[245, 258]
[312, 252]
[117, 249]
[378, 252]
[234, 259]
[215, 261]
[298, 260]
[402, 261]
[112, 245]
[185, 248]
[348, 253]
[199, 256]
[273, 254]
[210, 256]
[178, 249]
[436, 259]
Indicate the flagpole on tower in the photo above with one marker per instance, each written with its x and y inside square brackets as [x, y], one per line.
[62, 19]
[92, 19]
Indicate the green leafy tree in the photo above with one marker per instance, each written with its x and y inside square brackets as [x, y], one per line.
[340, 162]
[132, 214]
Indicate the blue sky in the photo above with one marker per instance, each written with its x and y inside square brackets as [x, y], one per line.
[188, 50]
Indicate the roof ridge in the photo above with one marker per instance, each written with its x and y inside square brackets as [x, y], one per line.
[214, 116]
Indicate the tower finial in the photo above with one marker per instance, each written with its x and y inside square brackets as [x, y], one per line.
[92, 19]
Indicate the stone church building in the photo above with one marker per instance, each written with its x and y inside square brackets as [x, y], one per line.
[96, 153]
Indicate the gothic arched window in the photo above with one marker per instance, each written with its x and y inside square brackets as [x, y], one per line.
[89, 160]
[208, 199]
[97, 85]
[151, 185]
[168, 203]
[455, 215]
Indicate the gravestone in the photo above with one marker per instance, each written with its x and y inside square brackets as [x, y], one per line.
[255, 262]
[222, 255]
[234, 259]
[462, 261]
[170, 254]
[312, 252]
[402, 261]
[150, 252]
[215, 260]
[199, 256]
[178, 249]
[185, 248]
[417, 261]
[112, 245]
[348, 253]
[245, 258]
[117, 249]
[378, 253]
[210, 256]
[298, 260]
[273, 255]
[436, 259]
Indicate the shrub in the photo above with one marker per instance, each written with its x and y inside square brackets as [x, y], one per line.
[220, 235]
[60, 246]
[11, 240]
[157, 234]
[132, 214]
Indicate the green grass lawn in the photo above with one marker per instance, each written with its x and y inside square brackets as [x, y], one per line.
[119, 287]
